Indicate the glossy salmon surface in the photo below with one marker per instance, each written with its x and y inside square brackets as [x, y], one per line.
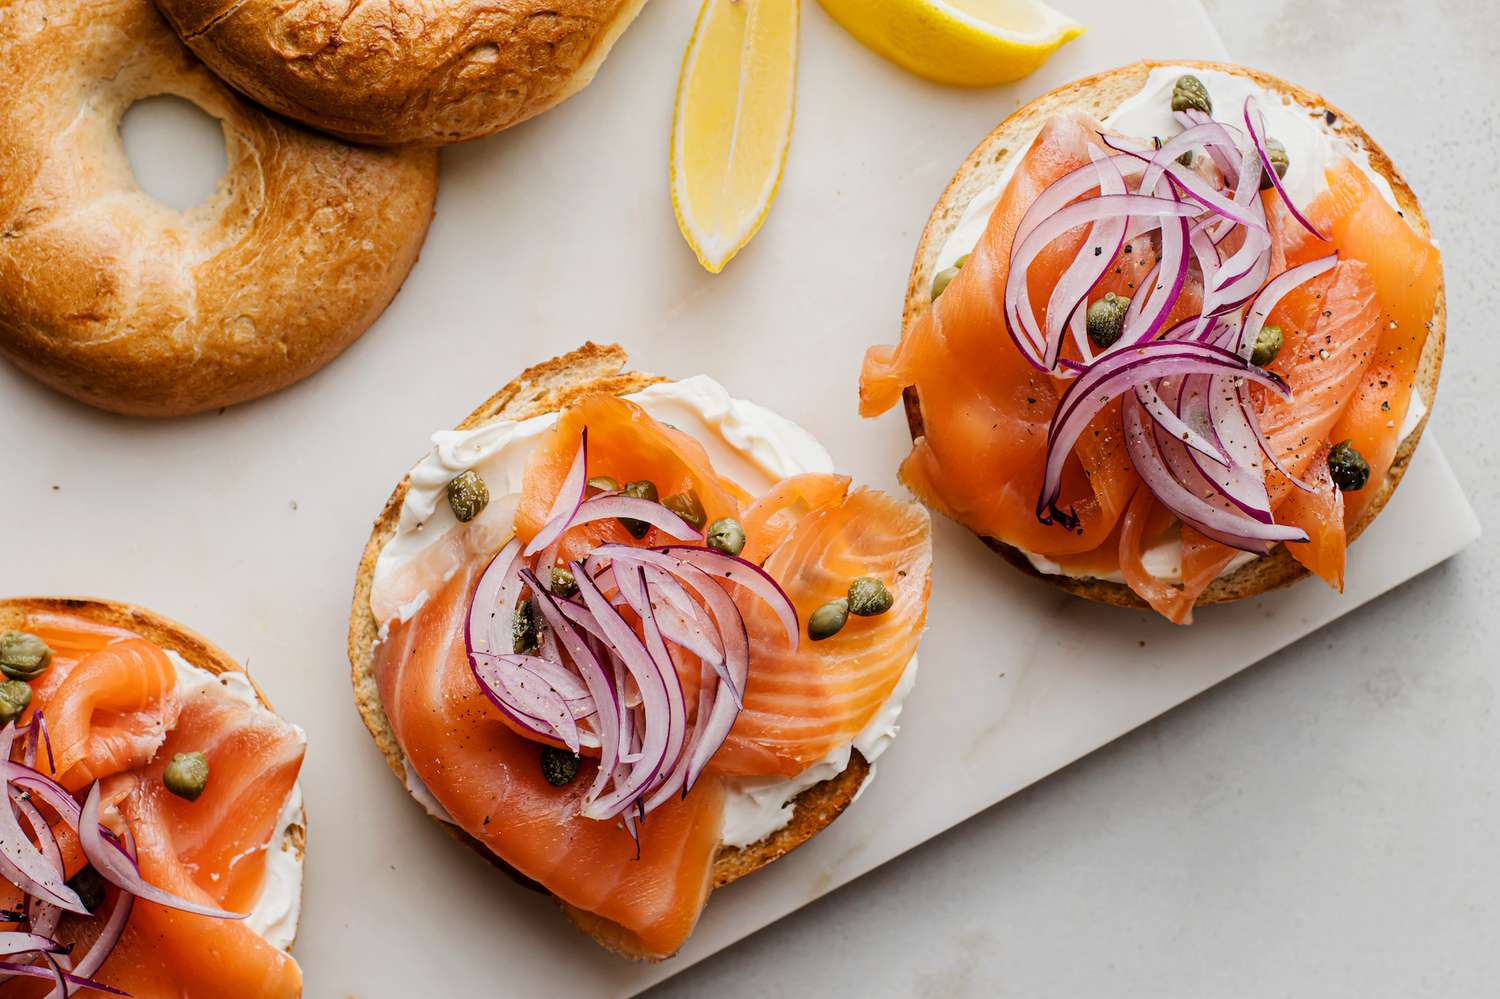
[812, 533]
[117, 713]
[1353, 340]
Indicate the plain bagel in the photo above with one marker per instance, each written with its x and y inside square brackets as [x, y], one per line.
[116, 299]
[1098, 96]
[399, 71]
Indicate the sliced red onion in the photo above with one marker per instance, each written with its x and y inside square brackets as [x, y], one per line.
[28, 868]
[1173, 426]
[1265, 302]
[115, 865]
[492, 608]
[1114, 375]
[610, 715]
[1226, 164]
[103, 945]
[657, 686]
[1070, 295]
[609, 507]
[1256, 123]
[741, 572]
[12, 943]
[1020, 317]
[66, 982]
[1224, 525]
[539, 707]
[569, 497]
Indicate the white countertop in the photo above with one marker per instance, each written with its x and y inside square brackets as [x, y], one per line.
[1324, 824]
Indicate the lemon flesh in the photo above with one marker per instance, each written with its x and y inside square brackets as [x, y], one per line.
[967, 43]
[733, 123]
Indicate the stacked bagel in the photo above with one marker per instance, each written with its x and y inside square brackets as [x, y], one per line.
[128, 305]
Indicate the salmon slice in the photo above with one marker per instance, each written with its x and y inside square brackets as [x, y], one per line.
[202, 957]
[1321, 514]
[1406, 271]
[625, 443]
[769, 520]
[985, 409]
[115, 714]
[490, 780]
[801, 704]
[111, 712]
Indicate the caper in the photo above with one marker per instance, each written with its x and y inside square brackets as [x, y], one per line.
[1267, 345]
[868, 597]
[559, 766]
[187, 775]
[23, 656]
[687, 506]
[828, 620]
[1189, 93]
[726, 535]
[640, 489]
[1276, 153]
[15, 696]
[1348, 467]
[563, 583]
[1106, 319]
[525, 629]
[88, 885]
[944, 277]
[605, 483]
[1186, 159]
[467, 495]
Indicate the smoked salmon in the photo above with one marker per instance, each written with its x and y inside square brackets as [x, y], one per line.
[116, 712]
[637, 591]
[1346, 285]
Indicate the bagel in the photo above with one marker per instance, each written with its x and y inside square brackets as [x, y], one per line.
[404, 72]
[194, 649]
[547, 387]
[1098, 96]
[121, 302]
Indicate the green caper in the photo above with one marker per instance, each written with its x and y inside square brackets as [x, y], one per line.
[1186, 159]
[605, 483]
[868, 597]
[944, 277]
[1189, 93]
[726, 535]
[1267, 345]
[15, 696]
[467, 495]
[559, 766]
[640, 489]
[687, 506]
[525, 629]
[1106, 319]
[23, 656]
[828, 620]
[187, 775]
[1348, 467]
[1276, 153]
[88, 885]
[563, 583]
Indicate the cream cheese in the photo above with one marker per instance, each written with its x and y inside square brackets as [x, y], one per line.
[279, 906]
[746, 442]
[1311, 149]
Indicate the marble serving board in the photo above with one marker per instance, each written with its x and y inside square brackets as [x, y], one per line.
[248, 524]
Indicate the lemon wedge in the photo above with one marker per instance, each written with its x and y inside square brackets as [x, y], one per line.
[968, 43]
[733, 123]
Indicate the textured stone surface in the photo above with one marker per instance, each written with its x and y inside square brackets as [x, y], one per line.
[1325, 823]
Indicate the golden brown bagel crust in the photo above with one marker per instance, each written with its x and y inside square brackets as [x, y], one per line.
[399, 71]
[1098, 96]
[549, 386]
[126, 304]
[191, 646]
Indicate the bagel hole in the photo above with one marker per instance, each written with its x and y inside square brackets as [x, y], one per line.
[176, 150]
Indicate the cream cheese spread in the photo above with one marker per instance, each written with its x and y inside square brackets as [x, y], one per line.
[746, 442]
[1311, 149]
[279, 906]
